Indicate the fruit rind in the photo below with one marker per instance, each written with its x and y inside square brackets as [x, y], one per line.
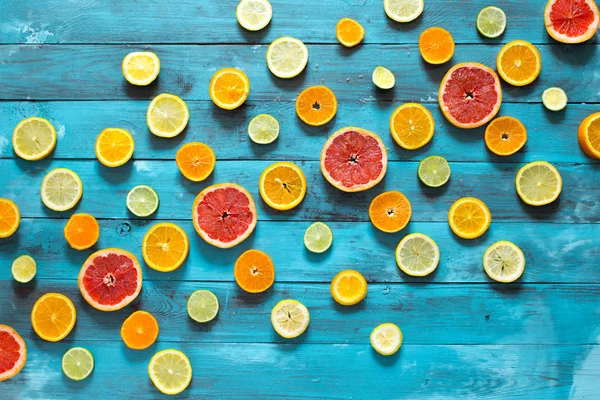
[492, 248]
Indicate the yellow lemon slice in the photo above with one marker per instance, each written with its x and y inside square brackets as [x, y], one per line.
[34, 138]
[141, 68]
[167, 115]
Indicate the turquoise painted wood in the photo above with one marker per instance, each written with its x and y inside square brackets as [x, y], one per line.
[464, 336]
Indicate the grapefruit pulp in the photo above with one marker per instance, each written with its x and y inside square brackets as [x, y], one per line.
[13, 352]
[571, 21]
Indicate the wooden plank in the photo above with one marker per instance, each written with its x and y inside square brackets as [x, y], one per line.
[78, 124]
[70, 72]
[427, 313]
[548, 248]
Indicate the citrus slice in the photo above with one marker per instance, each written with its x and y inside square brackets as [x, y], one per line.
[383, 78]
[140, 330]
[519, 63]
[263, 129]
[417, 255]
[349, 32]
[318, 237]
[282, 186]
[167, 115]
[142, 201]
[554, 99]
[390, 211]
[61, 189]
[165, 247]
[436, 45]
[571, 21]
[290, 318]
[504, 262]
[53, 316]
[254, 271]
[140, 68]
[588, 136]
[434, 171]
[77, 363]
[316, 105]
[538, 183]
[287, 57]
[505, 136]
[229, 88]
[114, 147]
[14, 352]
[170, 371]
[10, 218]
[23, 269]
[203, 306]
[34, 138]
[491, 22]
[348, 287]
[469, 218]
[196, 161]
[412, 126]
[403, 10]
[82, 231]
[253, 15]
[386, 339]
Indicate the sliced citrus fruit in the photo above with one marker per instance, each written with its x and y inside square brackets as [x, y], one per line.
[114, 147]
[196, 161]
[82, 231]
[110, 279]
[61, 189]
[170, 371]
[436, 45]
[23, 269]
[348, 287]
[469, 218]
[412, 126]
[254, 271]
[287, 57]
[318, 237]
[282, 185]
[77, 363]
[386, 339]
[434, 171]
[554, 99]
[34, 138]
[588, 135]
[504, 262]
[403, 10]
[383, 78]
[491, 22]
[263, 129]
[142, 201]
[140, 68]
[53, 316]
[167, 115]
[316, 105]
[519, 63]
[290, 318]
[349, 32]
[229, 88]
[253, 15]
[390, 211]
[571, 21]
[140, 330]
[417, 255]
[165, 247]
[505, 136]
[203, 306]
[14, 352]
[10, 218]
[538, 183]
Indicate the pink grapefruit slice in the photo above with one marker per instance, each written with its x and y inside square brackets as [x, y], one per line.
[13, 352]
[571, 21]
[470, 95]
[224, 215]
[354, 159]
[110, 279]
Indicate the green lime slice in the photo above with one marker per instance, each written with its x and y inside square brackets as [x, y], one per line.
[504, 262]
[491, 22]
[142, 201]
[203, 306]
[23, 269]
[434, 171]
[77, 363]
[383, 78]
[318, 237]
[554, 99]
[263, 129]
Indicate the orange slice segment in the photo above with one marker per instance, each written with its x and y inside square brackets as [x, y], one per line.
[165, 247]
[519, 63]
[469, 218]
[114, 147]
[348, 287]
[436, 45]
[53, 316]
[82, 231]
[505, 136]
[390, 211]
[254, 271]
[412, 126]
[349, 32]
[589, 135]
[229, 88]
[196, 161]
[316, 105]
[10, 218]
[282, 186]
[140, 330]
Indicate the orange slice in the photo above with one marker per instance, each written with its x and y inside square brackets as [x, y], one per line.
[282, 186]
[196, 161]
[140, 330]
[82, 231]
[469, 218]
[229, 88]
[505, 136]
[519, 63]
[412, 126]
[390, 211]
[348, 287]
[114, 147]
[53, 316]
[436, 45]
[316, 105]
[165, 247]
[349, 32]
[10, 218]
[589, 136]
[254, 271]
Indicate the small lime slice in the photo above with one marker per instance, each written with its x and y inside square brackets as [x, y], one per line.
[290, 318]
[403, 10]
[434, 171]
[383, 78]
[386, 339]
[318, 237]
[504, 262]
[417, 255]
[491, 22]
[254, 15]
[61, 189]
[203, 306]
[142, 201]
[263, 129]
[554, 99]
[23, 269]
[77, 363]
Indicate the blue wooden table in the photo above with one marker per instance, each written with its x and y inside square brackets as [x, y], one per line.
[464, 336]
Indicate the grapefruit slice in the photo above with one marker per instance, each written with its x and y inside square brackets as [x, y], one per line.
[354, 159]
[13, 352]
[224, 214]
[571, 21]
[470, 95]
[110, 279]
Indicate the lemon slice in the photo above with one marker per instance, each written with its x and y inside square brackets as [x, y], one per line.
[263, 129]
[290, 318]
[287, 57]
[383, 78]
[142, 201]
[61, 189]
[23, 269]
[170, 371]
[554, 99]
[403, 10]
[77, 363]
[491, 22]
[538, 183]
[254, 15]
[318, 237]
[114, 147]
[417, 255]
[140, 68]
[34, 138]
[203, 306]
[504, 262]
[386, 339]
[167, 115]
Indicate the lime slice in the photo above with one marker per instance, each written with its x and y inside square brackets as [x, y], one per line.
[504, 262]
[34, 138]
[434, 171]
[203, 306]
[290, 318]
[538, 183]
[403, 10]
[554, 99]
[142, 201]
[170, 371]
[254, 15]
[318, 237]
[287, 57]
[23, 269]
[77, 363]
[140, 68]
[386, 339]
[61, 189]
[263, 129]
[491, 22]
[383, 78]
[417, 255]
